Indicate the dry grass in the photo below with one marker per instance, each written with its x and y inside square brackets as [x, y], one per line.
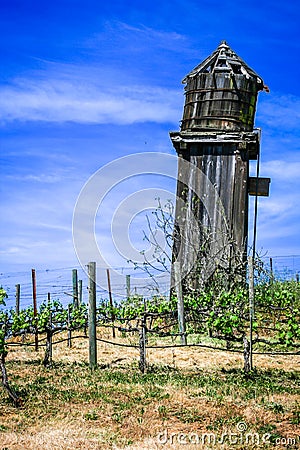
[192, 391]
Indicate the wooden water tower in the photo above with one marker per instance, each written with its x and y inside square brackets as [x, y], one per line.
[214, 146]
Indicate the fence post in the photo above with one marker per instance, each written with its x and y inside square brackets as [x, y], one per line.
[271, 270]
[51, 334]
[128, 287]
[48, 351]
[92, 316]
[36, 336]
[79, 292]
[251, 309]
[75, 287]
[111, 303]
[18, 290]
[143, 340]
[180, 304]
[69, 327]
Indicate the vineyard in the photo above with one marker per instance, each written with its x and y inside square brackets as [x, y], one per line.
[144, 334]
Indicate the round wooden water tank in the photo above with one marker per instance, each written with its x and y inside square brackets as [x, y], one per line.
[221, 93]
[220, 101]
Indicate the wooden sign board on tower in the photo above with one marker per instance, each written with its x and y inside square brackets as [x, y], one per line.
[259, 186]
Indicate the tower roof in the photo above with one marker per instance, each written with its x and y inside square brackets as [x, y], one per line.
[224, 59]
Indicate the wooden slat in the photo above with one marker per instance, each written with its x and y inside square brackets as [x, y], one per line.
[263, 186]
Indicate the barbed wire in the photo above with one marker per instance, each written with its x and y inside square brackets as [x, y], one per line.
[58, 281]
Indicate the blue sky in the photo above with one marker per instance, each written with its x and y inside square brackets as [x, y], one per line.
[83, 83]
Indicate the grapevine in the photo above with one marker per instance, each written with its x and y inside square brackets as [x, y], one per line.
[216, 313]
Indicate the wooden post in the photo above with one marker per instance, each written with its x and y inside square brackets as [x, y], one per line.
[142, 362]
[246, 354]
[128, 286]
[92, 316]
[180, 304]
[69, 327]
[18, 290]
[251, 309]
[79, 292]
[16, 399]
[48, 351]
[50, 338]
[271, 270]
[51, 347]
[271, 266]
[142, 343]
[36, 336]
[111, 303]
[50, 328]
[75, 287]
[297, 277]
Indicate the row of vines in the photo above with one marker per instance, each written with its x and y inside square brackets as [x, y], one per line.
[213, 316]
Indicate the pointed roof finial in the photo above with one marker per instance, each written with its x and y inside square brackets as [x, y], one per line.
[224, 59]
[223, 44]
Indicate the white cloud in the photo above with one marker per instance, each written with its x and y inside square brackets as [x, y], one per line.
[279, 110]
[283, 170]
[83, 101]
[42, 178]
[277, 206]
[279, 215]
[100, 91]
[138, 38]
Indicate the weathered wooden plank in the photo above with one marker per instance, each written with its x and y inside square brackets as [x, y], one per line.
[214, 145]
[259, 186]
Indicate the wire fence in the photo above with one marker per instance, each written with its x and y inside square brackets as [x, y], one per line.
[124, 281]
[58, 282]
[283, 267]
[224, 320]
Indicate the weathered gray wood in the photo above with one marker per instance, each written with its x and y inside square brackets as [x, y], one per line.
[180, 303]
[259, 186]
[69, 327]
[18, 291]
[75, 287]
[247, 353]
[214, 146]
[142, 344]
[251, 308]
[216, 174]
[221, 93]
[50, 341]
[271, 266]
[16, 399]
[111, 303]
[49, 333]
[80, 292]
[48, 351]
[92, 315]
[128, 291]
[36, 336]
[271, 271]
